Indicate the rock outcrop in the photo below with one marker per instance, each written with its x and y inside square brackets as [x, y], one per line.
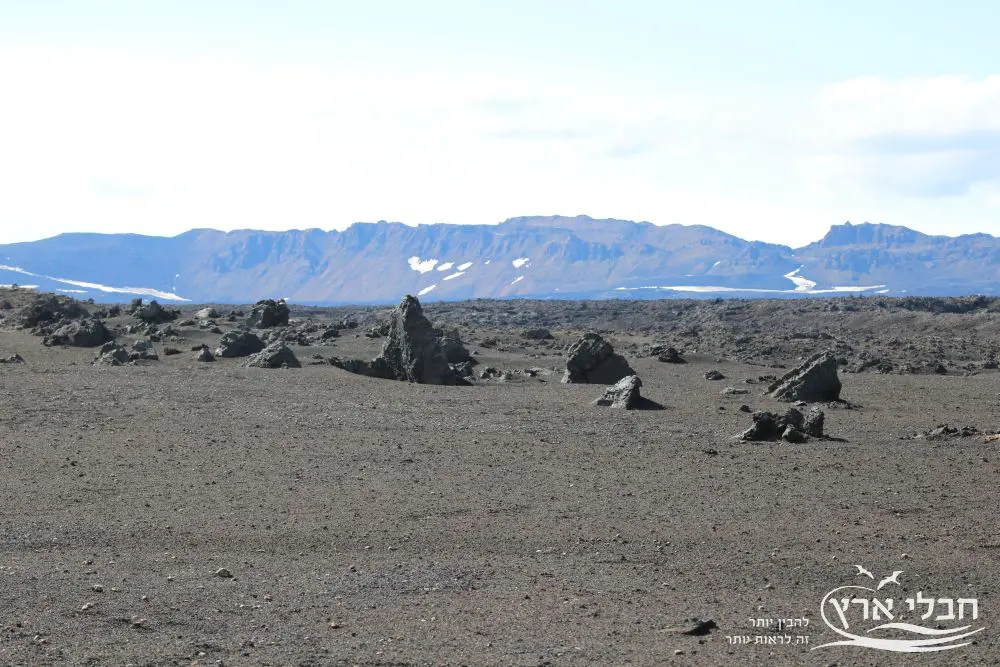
[815, 381]
[412, 351]
[592, 360]
[275, 355]
[268, 313]
[49, 308]
[152, 312]
[80, 333]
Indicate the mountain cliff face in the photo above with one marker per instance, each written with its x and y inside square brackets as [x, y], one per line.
[554, 257]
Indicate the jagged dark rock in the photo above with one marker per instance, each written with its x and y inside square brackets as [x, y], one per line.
[792, 426]
[79, 333]
[49, 308]
[268, 313]
[814, 381]
[945, 432]
[143, 350]
[412, 351]
[592, 360]
[112, 354]
[204, 354]
[152, 312]
[537, 334]
[239, 344]
[380, 330]
[814, 422]
[669, 355]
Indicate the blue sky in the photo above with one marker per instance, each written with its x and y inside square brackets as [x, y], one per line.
[769, 120]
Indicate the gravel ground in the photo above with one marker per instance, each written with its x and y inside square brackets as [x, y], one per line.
[372, 522]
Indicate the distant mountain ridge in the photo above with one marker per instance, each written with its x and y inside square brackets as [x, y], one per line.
[539, 257]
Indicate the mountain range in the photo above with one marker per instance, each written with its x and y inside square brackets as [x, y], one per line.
[538, 257]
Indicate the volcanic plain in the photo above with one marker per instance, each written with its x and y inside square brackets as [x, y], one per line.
[173, 511]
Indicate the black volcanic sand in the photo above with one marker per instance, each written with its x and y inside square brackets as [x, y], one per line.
[375, 522]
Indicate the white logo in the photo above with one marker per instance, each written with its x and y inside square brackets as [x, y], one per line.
[855, 607]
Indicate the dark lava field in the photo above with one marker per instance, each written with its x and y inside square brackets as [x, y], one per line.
[294, 505]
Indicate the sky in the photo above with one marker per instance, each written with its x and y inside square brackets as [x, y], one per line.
[771, 120]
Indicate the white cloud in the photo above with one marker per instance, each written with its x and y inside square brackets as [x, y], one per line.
[928, 137]
[102, 142]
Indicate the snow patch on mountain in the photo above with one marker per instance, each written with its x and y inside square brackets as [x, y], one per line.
[520, 261]
[141, 291]
[802, 283]
[421, 265]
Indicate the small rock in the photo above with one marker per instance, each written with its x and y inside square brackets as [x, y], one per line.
[624, 394]
[696, 627]
[275, 355]
[670, 356]
[792, 434]
[537, 334]
[223, 573]
[714, 375]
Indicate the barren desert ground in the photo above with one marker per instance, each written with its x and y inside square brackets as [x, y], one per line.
[175, 512]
